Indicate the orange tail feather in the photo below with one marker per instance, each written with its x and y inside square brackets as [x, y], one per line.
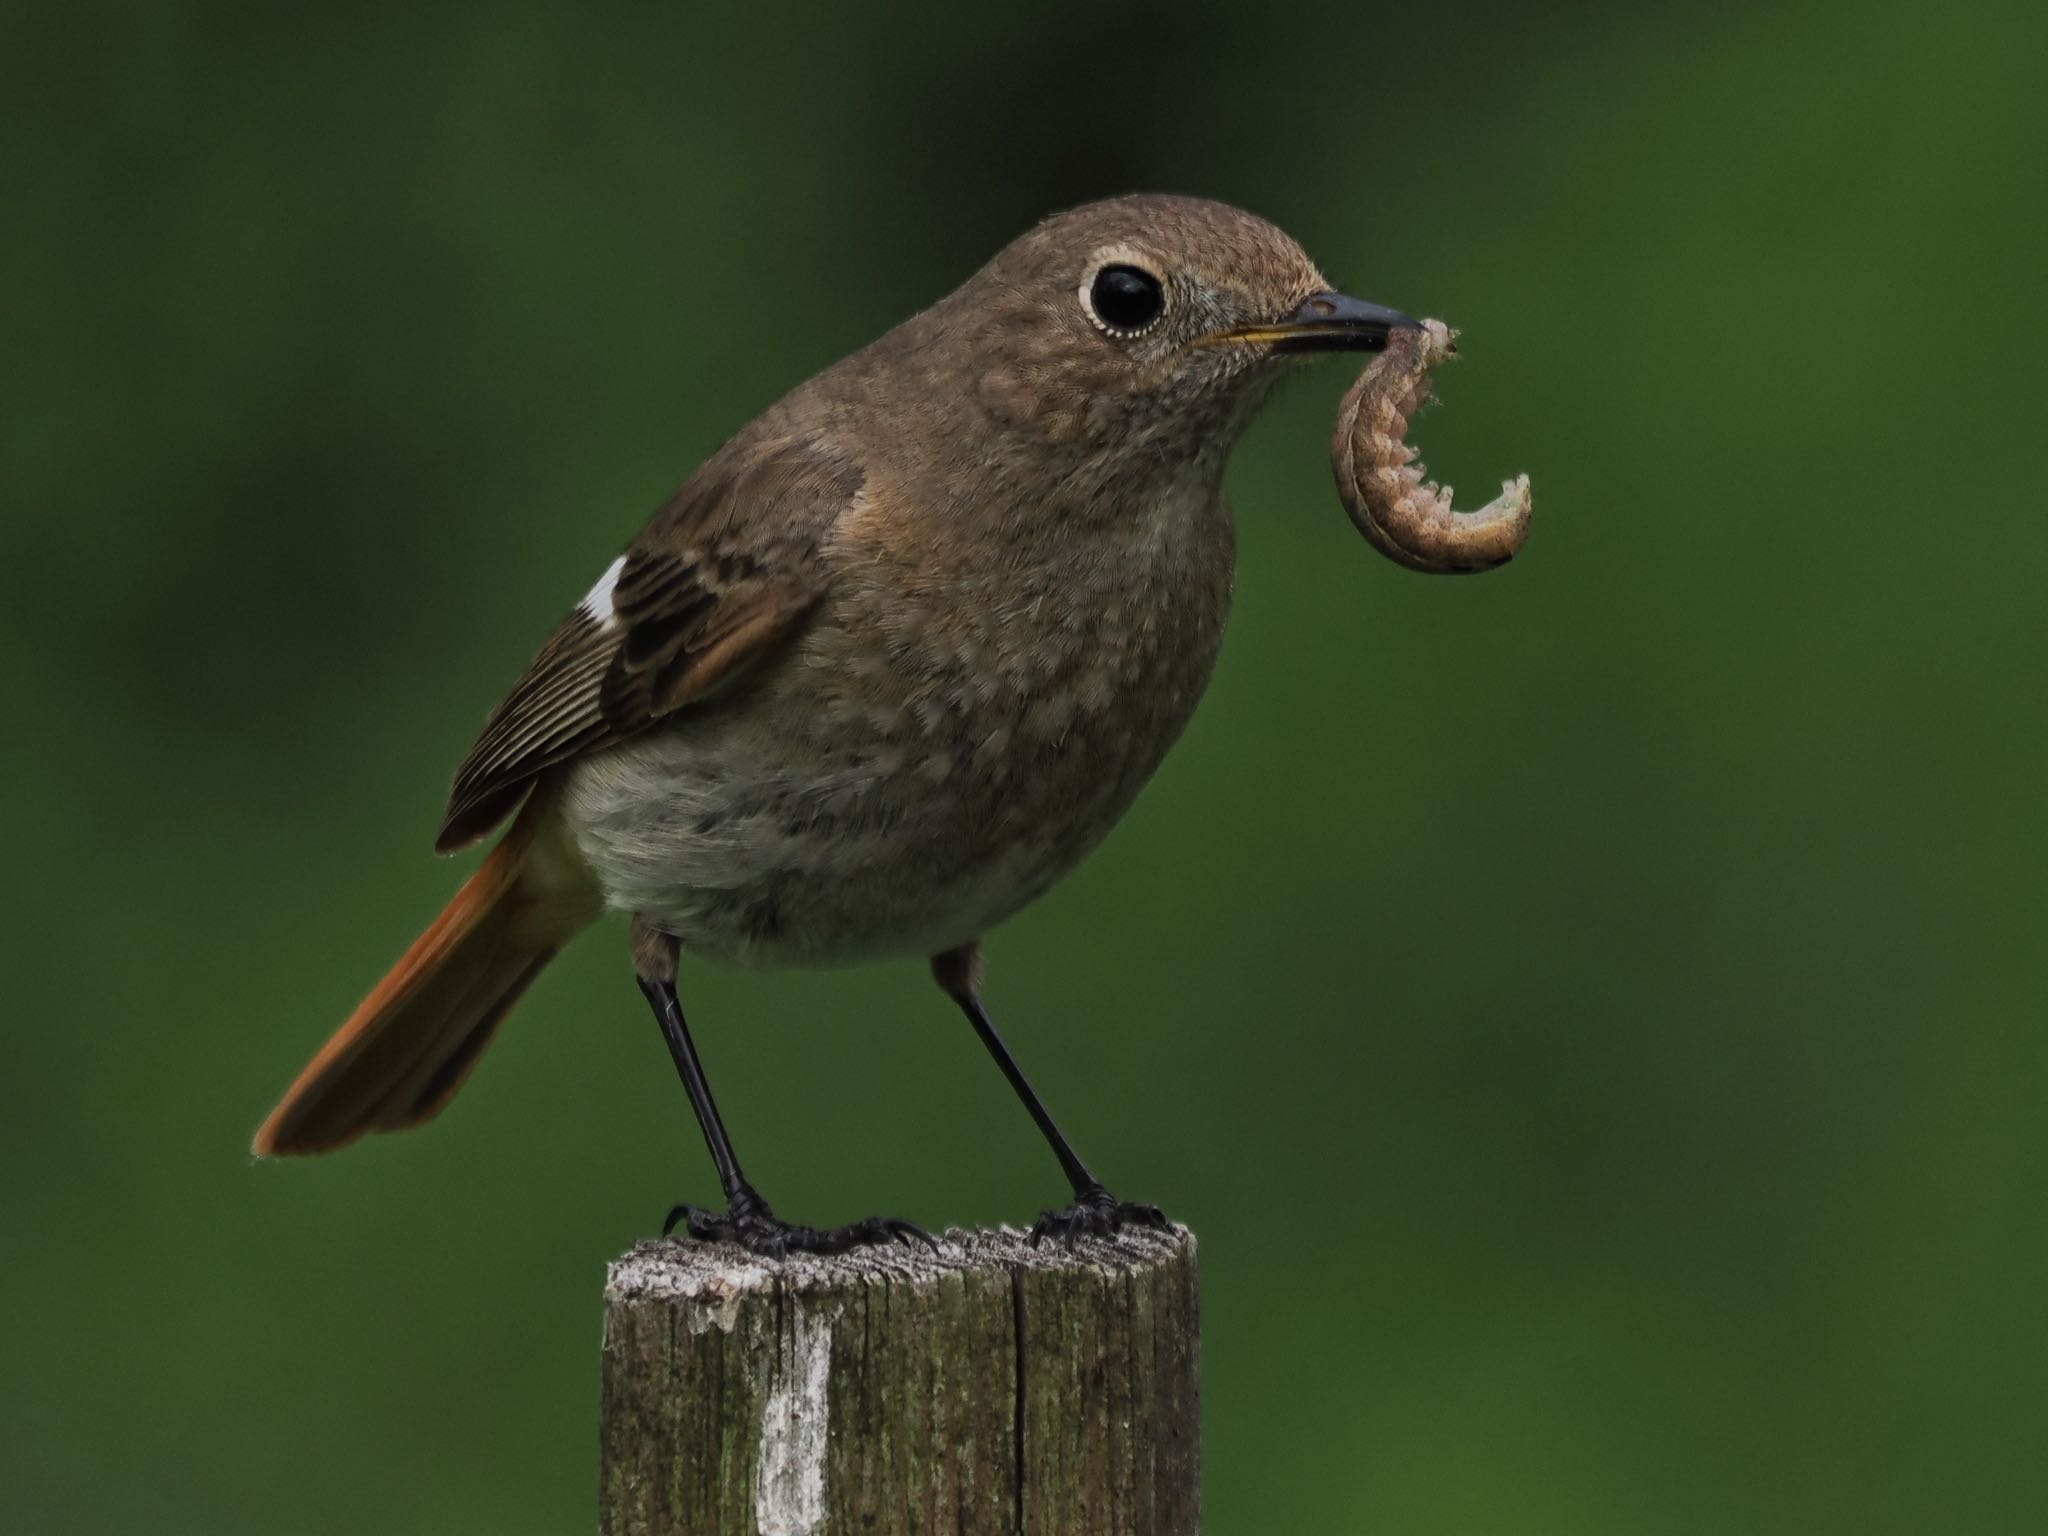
[412, 1041]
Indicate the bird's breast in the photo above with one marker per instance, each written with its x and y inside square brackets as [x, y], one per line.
[953, 732]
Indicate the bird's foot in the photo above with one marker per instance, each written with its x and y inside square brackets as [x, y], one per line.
[750, 1223]
[1096, 1213]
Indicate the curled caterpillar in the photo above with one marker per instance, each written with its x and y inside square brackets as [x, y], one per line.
[1380, 477]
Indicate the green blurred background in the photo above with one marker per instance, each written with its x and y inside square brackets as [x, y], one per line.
[1639, 1128]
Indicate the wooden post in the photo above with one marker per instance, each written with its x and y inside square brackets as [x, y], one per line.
[992, 1387]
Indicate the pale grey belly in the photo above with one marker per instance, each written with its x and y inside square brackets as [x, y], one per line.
[759, 847]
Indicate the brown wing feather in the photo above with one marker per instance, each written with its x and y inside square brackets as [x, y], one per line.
[726, 569]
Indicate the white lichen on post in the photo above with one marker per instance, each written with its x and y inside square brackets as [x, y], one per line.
[789, 1486]
[990, 1387]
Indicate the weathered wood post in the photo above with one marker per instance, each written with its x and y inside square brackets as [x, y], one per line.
[991, 1387]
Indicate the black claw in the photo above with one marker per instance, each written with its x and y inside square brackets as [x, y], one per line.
[756, 1228]
[1095, 1213]
[909, 1233]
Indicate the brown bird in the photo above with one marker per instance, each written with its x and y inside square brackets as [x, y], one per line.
[889, 664]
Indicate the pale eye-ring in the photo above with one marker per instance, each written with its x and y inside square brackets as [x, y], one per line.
[1125, 300]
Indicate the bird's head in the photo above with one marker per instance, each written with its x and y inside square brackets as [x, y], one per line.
[1158, 323]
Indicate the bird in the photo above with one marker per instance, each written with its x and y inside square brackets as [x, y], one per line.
[889, 664]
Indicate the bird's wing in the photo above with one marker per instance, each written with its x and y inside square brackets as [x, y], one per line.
[726, 569]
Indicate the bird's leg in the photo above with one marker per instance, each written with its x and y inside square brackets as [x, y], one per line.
[747, 1218]
[1095, 1211]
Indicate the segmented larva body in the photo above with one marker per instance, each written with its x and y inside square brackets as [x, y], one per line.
[1380, 478]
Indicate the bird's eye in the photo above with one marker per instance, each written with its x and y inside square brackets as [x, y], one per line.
[1125, 299]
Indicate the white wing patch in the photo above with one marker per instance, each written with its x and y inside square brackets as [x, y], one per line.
[598, 602]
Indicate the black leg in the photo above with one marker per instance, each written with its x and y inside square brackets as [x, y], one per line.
[668, 1012]
[747, 1218]
[1095, 1210]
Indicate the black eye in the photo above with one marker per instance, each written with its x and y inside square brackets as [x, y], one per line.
[1125, 298]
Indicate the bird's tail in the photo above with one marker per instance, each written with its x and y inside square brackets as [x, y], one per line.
[413, 1040]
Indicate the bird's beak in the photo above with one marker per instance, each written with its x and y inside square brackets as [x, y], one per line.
[1326, 322]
